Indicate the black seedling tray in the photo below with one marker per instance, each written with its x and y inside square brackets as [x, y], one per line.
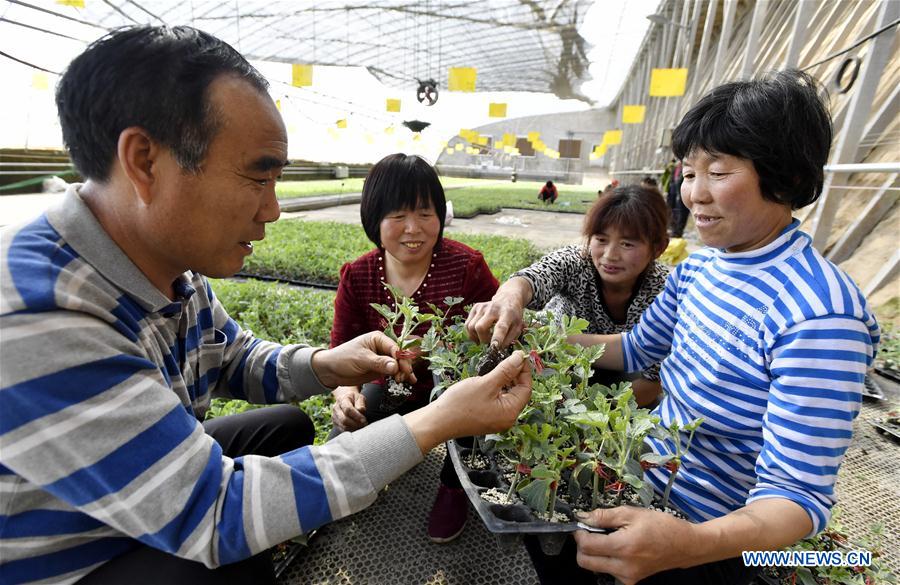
[510, 522]
[887, 429]
[872, 389]
[889, 373]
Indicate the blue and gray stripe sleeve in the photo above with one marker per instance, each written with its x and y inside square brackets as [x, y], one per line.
[261, 372]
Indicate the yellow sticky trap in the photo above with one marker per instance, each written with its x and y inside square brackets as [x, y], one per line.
[612, 137]
[601, 150]
[342, 123]
[459, 146]
[392, 105]
[73, 3]
[482, 140]
[301, 75]
[462, 79]
[534, 136]
[539, 146]
[389, 130]
[633, 114]
[675, 252]
[497, 110]
[39, 81]
[278, 105]
[449, 151]
[417, 136]
[668, 82]
[509, 139]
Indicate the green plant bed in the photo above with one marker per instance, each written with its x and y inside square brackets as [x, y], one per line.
[471, 201]
[294, 189]
[278, 312]
[284, 314]
[315, 188]
[836, 539]
[888, 356]
[314, 251]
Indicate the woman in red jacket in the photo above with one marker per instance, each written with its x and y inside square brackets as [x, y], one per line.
[548, 193]
[403, 210]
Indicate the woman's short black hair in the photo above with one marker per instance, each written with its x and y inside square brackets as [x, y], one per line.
[400, 181]
[779, 122]
[154, 77]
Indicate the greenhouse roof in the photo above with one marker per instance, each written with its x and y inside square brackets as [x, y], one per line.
[514, 45]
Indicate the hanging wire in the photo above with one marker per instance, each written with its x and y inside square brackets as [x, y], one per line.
[120, 11]
[57, 14]
[39, 29]
[32, 65]
[145, 11]
[854, 45]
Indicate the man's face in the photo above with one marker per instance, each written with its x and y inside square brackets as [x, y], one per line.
[207, 221]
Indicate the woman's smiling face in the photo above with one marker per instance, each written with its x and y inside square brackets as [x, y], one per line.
[722, 191]
[410, 235]
[619, 258]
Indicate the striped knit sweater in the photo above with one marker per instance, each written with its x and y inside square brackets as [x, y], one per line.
[103, 382]
[770, 347]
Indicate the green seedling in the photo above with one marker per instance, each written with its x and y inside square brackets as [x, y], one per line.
[672, 461]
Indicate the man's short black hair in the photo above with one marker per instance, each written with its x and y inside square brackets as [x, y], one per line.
[779, 122]
[152, 77]
[400, 181]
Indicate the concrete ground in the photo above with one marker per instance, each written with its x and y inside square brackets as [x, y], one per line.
[546, 229]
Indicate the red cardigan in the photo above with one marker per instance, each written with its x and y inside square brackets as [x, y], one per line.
[456, 271]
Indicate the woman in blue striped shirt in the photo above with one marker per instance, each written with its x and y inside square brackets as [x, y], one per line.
[758, 334]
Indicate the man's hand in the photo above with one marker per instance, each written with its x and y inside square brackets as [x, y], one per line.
[475, 406]
[361, 360]
[645, 542]
[349, 406]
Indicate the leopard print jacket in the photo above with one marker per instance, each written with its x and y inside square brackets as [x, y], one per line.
[565, 282]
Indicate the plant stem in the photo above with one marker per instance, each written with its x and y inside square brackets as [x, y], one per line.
[512, 486]
[595, 497]
[669, 484]
[472, 454]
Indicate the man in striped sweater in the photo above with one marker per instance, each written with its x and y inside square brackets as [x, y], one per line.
[113, 343]
[758, 334]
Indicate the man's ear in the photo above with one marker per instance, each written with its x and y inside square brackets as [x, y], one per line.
[137, 153]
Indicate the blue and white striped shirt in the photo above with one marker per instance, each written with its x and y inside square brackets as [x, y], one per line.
[102, 382]
[770, 347]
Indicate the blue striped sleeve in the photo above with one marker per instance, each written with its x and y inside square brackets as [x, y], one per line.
[650, 340]
[817, 369]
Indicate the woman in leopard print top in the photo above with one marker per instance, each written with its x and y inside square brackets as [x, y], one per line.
[609, 281]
